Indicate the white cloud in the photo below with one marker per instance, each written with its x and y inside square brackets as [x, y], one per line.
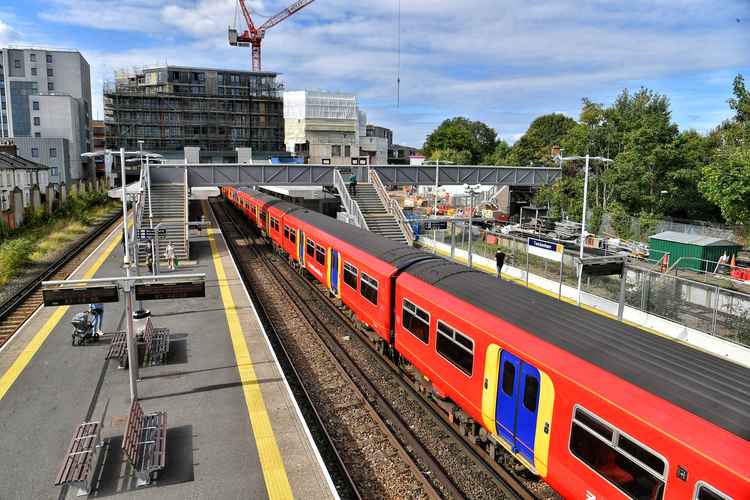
[504, 62]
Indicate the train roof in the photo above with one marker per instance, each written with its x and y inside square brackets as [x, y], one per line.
[393, 252]
[703, 384]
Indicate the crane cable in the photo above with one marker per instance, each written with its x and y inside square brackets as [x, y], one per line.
[398, 52]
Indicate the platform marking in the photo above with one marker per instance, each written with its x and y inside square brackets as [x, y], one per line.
[274, 472]
[23, 359]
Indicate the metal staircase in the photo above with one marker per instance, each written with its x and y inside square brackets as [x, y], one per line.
[376, 214]
[169, 208]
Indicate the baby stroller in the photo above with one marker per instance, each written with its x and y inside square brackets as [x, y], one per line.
[83, 327]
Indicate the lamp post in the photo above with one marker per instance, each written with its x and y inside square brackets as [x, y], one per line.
[472, 192]
[588, 159]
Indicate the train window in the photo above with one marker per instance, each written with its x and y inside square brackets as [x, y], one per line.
[292, 235]
[286, 232]
[594, 425]
[274, 224]
[509, 378]
[320, 255]
[620, 460]
[310, 248]
[704, 491]
[369, 288]
[455, 347]
[350, 275]
[531, 393]
[416, 321]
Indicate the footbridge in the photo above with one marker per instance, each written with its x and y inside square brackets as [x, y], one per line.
[213, 175]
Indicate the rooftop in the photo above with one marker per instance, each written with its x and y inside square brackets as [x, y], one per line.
[9, 161]
[700, 240]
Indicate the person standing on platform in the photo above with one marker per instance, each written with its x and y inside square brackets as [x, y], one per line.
[500, 261]
[98, 311]
[169, 253]
[353, 184]
[150, 264]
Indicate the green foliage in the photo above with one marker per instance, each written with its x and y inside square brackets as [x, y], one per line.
[501, 155]
[462, 157]
[726, 182]
[461, 134]
[14, 255]
[620, 221]
[535, 146]
[740, 103]
[648, 222]
[594, 223]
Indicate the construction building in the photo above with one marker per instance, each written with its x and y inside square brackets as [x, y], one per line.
[45, 104]
[100, 144]
[323, 127]
[170, 108]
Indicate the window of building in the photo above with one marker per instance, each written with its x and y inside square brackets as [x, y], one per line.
[37, 121]
[335, 150]
[310, 248]
[369, 288]
[704, 491]
[635, 470]
[455, 347]
[17, 63]
[49, 58]
[34, 72]
[50, 72]
[416, 321]
[53, 152]
[53, 171]
[347, 150]
[350, 275]
[35, 105]
[32, 57]
[37, 134]
[35, 152]
[50, 86]
[320, 255]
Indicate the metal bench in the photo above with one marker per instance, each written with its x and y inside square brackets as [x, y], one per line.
[118, 348]
[156, 342]
[80, 460]
[145, 443]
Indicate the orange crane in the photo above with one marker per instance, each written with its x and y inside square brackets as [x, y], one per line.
[253, 36]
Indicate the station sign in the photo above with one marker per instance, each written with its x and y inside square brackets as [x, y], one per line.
[83, 295]
[546, 249]
[434, 225]
[148, 233]
[166, 291]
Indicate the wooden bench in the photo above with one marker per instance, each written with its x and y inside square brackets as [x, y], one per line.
[118, 348]
[145, 443]
[80, 460]
[156, 342]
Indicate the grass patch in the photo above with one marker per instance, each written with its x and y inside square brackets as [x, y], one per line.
[44, 234]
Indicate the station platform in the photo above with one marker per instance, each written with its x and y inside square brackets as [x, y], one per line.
[233, 427]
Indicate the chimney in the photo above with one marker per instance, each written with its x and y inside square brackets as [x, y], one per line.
[8, 145]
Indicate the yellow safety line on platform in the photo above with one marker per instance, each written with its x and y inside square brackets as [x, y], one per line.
[23, 359]
[274, 472]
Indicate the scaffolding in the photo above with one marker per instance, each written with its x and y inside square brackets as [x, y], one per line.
[170, 108]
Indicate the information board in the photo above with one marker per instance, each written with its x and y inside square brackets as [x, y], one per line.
[164, 291]
[434, 225]
[546, 249]
[83, 295]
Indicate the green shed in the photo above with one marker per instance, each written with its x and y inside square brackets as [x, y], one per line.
[697, 252]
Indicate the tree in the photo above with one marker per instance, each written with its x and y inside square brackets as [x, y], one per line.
[451, 155]
[740, 103]
[462, 134]
[535, 146]
[726, 182]
[500, 155]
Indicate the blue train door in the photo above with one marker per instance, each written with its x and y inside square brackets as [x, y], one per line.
[301, 247]
[517, 404]
[334, 270]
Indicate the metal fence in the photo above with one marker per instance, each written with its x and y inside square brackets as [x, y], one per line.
[703, 306]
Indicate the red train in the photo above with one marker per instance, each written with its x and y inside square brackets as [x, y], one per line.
[597, 408]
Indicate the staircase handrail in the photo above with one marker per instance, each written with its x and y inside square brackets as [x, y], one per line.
[187, 215]
[350, 205]
[392, 206]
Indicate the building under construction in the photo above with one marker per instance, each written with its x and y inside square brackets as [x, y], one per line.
[172, 107]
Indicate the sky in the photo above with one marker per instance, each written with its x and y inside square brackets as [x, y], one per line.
[503, 62]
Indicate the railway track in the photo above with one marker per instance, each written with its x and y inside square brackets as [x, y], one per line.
[21, 305]
[320, 312]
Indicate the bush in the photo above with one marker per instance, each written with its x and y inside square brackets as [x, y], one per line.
[14, 255]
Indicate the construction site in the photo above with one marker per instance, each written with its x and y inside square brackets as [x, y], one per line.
[170, 107]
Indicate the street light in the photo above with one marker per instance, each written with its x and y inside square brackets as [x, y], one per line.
[472, 191]
[588, 158]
